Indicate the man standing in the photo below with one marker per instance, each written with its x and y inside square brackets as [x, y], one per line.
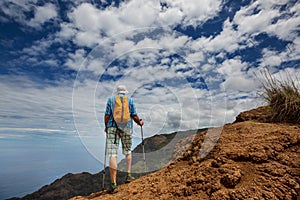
[119, 113]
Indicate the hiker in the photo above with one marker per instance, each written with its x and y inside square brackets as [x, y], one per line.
[119, 113]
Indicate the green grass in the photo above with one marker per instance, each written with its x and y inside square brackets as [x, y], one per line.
[283, 98]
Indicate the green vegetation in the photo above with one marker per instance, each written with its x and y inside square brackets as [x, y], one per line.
[283, 98]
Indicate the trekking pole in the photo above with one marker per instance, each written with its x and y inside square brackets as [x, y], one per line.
[104, 165]
[143, 148]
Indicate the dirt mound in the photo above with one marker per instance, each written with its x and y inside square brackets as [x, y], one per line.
[251, 160]
[260, 114]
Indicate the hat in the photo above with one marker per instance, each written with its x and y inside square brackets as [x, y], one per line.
[121, 89]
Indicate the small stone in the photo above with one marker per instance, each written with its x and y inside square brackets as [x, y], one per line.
[230, 180]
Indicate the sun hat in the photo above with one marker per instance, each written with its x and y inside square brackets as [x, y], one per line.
[121, 89]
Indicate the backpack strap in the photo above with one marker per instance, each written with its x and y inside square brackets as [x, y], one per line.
[118, 130]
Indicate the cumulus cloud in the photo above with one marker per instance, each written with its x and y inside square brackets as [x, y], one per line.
[228, 40]
[15, 10]
[114, 20]
[268, 17]
[195, 12]
[43, 14]
[19, 11]
[76, 59]
[237, 78]
[259, 21]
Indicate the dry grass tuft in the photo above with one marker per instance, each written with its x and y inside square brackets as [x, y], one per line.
[283, 98]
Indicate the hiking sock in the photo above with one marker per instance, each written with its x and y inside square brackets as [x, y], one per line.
[128, 174]
[113, 184]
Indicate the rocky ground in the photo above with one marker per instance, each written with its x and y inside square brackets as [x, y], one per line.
[248, 159]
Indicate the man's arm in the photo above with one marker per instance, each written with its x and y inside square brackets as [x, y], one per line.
[133, 113]
[107, 114]
[106, 119]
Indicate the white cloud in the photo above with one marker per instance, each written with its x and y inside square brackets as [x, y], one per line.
[293, 51]
[195, 12]
[86, 39]
[236, 76]
[43, 130]
[138, 13]
[38, 47]
[67, 31]
[15, 10]
[239, 84]
[285, 29]
[75, 60]
[288, 74]
[259, 21]
[18, 11]
[269, 19]
[232, 67]
[227, 40]
[43, 14]
[171, 16]
[86, 17]
[26, 104]
[123, 46]
[271, 58]
[173, 42]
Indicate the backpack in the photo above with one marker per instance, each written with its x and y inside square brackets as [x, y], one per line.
[121, 112]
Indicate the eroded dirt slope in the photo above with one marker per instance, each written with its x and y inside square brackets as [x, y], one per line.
[251, 160]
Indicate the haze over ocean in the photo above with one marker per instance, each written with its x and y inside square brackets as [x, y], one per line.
[28, 164]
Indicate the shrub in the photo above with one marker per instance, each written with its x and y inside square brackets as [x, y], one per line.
[283, 98]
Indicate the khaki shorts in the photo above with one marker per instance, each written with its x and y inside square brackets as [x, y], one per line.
[113, 137]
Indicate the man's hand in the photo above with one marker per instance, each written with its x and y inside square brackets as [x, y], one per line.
[138, 120]
[141, 122]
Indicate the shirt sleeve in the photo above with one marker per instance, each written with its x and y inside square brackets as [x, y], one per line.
[132, 107]
[108, 110]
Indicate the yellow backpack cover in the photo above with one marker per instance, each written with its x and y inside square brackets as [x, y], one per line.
[121, 110]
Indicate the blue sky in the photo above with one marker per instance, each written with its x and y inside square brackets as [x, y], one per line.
[187, 64]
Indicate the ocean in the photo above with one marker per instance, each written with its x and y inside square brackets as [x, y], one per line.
[29, 163]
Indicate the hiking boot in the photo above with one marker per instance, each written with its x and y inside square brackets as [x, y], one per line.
[129, 178]
[113, 189]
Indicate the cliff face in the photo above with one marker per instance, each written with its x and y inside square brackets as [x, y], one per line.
[251, 160]
[248, 159]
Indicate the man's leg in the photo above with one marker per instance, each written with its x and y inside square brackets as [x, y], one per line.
[128, 162]
[126, 139]
[112, 149]
[113, 168]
